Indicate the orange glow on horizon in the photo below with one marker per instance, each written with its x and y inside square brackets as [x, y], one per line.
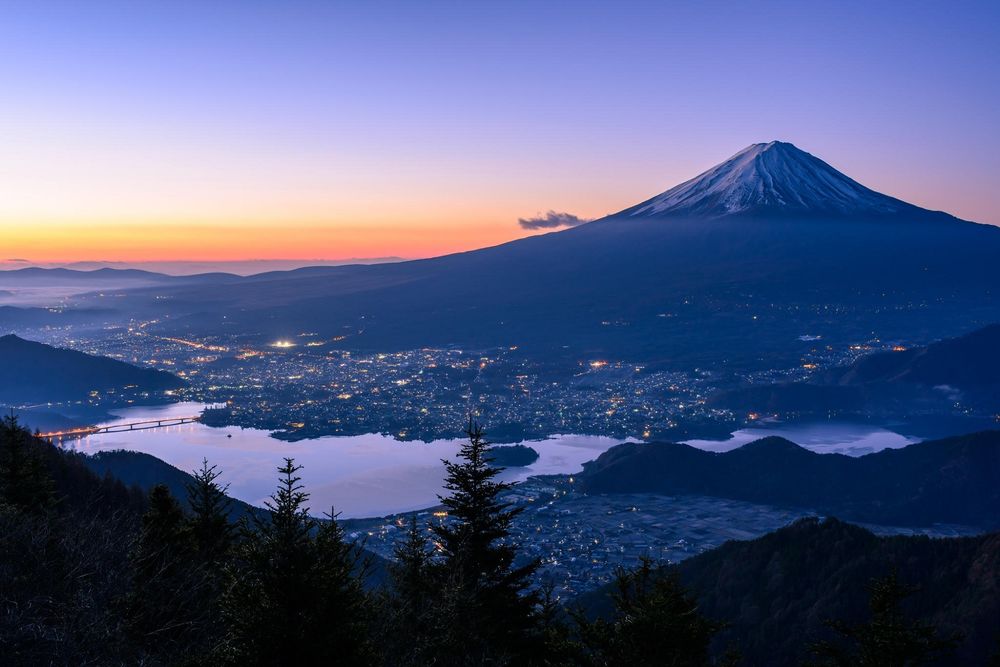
[233, 241]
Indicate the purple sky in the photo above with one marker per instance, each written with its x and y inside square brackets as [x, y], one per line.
[411, 128]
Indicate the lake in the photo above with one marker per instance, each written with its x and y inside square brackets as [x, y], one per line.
[374, 475]
[361, 476]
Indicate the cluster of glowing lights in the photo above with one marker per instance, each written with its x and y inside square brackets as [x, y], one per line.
[598, 364]
[195, 344]
[282, 344]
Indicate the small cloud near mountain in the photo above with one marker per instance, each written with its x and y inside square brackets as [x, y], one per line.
[551, 220]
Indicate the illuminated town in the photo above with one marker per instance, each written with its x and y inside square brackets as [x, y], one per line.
[306, 387]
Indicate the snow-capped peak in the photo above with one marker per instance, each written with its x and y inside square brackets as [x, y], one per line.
[774, 177]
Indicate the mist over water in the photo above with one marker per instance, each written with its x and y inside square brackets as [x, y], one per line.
[823, 438]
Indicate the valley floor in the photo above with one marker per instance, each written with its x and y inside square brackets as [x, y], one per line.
[582, 539]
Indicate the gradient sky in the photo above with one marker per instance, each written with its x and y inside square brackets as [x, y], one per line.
[230, 130]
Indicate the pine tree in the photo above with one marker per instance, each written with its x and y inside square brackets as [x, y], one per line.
[657, 623]
[484, 611]
[889, 639]
[406, 609]
[25, 483]
[294, 595]
[164, 610]
[211, 530]
[344, 609]
[410, 571]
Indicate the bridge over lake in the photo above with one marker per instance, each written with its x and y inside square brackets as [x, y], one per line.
[119, 427]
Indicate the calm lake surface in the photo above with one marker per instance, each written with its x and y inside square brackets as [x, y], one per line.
[361, 476]
[374, 475]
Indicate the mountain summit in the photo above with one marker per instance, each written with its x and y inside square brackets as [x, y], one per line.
[726, 271]
[770, 179]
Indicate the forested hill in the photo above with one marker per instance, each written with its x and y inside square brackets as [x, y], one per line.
[32, 372]
[968, 361]
[781, 589]
[144, 471]
[778, 593]
[952, 480]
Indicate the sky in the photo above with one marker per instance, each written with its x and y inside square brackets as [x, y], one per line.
[208, 131]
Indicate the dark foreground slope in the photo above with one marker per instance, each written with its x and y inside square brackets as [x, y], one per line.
[144, 471]
[33, 372]
[777, 592]
[953, 480]
[95, 572]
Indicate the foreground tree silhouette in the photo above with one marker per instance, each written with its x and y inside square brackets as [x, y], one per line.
[295, 593]
[889, 639]
[483, 611]
[657, 623]
[166, 614]
[406, 609]
[212, 532]
[25, 483]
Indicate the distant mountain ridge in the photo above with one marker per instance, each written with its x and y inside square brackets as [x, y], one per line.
[40, 276]
[32, 372]
[952, 480]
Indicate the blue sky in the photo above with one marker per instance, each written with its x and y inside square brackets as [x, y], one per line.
[427, 127]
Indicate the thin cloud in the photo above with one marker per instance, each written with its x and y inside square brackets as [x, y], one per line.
[551, 220]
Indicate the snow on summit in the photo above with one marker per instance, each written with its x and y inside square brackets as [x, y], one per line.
[774, 177]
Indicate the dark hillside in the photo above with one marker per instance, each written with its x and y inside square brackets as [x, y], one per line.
[33, 372]
[952, 480]
[776, 593]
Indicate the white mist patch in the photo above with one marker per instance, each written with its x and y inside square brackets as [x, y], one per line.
[822, 438]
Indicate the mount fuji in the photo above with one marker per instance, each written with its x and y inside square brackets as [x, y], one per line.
[773, 179]
[727, 270]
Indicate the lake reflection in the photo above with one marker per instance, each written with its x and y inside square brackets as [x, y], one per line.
[365, 475]
[375, 475]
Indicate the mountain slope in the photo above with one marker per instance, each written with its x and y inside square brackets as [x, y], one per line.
[968, 361]
[703, 287]
[33, 372]
[953, 480]
[776, 593]
[781, 588]
[947, 387]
